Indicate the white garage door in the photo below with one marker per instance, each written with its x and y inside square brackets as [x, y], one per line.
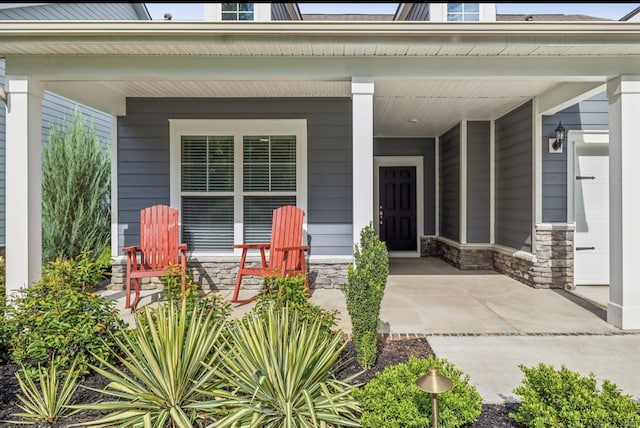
[591, 193]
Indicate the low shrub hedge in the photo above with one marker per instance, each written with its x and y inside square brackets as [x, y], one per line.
[392, 399]
[563, 398]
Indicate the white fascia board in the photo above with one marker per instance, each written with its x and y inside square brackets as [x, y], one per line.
[542, 33]
[199, 67]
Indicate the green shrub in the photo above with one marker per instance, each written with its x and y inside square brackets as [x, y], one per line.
[392, 399]
[50, 398]
[75, 192]
[290, 292]
[80, 273]
[55, 319]
[278, 371]
[366, 280]
[166, 367]
[563, 398]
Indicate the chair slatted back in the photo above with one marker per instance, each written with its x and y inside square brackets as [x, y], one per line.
[159, 236]
[286, 231]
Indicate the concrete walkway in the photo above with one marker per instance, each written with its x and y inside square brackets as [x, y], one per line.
[487, 324]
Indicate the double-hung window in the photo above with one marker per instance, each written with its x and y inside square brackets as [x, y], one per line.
[227, 176]
[463, 11]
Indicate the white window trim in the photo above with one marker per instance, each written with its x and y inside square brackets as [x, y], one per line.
[237, 128]
[261, 12]
[438, 12]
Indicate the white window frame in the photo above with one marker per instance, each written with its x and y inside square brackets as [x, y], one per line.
[238, 128]
[261, 12]
[463, 13]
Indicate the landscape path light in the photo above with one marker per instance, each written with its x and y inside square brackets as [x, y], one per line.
[434, 383]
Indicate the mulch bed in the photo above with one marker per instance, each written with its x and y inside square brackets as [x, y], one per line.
[391, 352]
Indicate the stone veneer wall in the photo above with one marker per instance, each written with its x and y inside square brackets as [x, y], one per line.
[550, 267]
[554, 253]
[219, 273]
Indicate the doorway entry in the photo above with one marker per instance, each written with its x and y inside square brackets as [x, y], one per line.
[591, 207]
[399, 212]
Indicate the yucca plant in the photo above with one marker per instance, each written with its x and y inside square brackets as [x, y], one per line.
[50, 398]
[165, 366]
[278, 370]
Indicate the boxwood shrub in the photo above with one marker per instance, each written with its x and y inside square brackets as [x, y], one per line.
[392, 399]
[563, 398]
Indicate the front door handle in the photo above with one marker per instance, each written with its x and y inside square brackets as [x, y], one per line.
[585, 248]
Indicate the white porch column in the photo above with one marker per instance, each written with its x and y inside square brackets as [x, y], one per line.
[362, 99]
[624, 152]
[24, 178]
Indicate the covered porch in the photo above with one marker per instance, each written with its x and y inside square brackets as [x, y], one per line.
[361, 88]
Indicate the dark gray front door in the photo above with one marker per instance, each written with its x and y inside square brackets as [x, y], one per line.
[397, 211]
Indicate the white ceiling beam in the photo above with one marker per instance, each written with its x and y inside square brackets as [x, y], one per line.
[91, 94]
[567, 94]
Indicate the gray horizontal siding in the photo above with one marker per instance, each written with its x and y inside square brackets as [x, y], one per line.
[3, 169]
[513, 176]
[56, 110]
[424, 147]
[143, 158]
[71, 11]
[590, 114]
[478, 181]
[450, 184]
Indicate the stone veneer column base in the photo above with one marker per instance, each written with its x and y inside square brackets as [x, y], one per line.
[551, 265]
[219, 273]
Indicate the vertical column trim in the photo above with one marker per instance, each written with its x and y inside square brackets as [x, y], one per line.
[115, 232]
[362, 88]
[492, 182]
[536, 179]
[623, 309]
[463, 182]
[24, 171]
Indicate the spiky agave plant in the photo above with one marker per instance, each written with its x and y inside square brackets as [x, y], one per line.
[165, 366]
[278, 370]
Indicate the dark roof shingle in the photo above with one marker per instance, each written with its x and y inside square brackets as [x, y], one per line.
[347, 17]
[547, 17]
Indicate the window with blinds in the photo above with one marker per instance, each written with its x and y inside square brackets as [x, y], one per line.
[214, 183]
[269, 165]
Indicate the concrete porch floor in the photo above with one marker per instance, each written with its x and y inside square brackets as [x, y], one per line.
[487, 324]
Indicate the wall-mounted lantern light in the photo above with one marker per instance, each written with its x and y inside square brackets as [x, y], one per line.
[434, 383]
[556, 144]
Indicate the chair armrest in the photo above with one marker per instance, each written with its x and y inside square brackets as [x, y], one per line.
[131, 249]
[258, 246]
[297, 247]
[182, 247]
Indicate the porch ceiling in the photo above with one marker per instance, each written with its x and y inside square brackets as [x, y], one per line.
[436, 104]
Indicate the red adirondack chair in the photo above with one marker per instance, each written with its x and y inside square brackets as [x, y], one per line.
[158, 248]
[286, 252]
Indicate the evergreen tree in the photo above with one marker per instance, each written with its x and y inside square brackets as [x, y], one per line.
[76, 173]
